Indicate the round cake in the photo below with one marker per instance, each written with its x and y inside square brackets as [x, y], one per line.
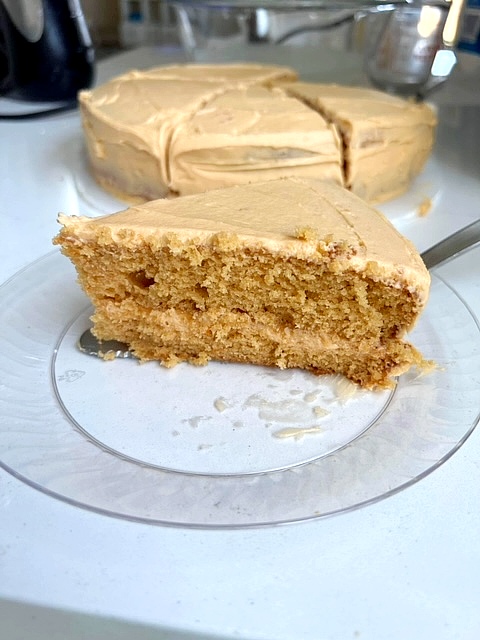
[186, 129]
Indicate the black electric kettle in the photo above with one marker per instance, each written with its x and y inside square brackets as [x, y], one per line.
[46, 54]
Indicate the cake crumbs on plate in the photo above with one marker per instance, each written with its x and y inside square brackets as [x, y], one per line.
[425, 207]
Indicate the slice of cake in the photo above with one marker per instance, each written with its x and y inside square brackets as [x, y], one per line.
[252, 131]
[128, 125]
[185, 129]
[288, 273]
[386, 139]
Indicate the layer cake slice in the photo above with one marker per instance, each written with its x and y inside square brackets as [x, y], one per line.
[289, 273]
[248, 133]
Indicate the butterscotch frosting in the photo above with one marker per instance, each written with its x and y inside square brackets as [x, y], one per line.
[183, 129]
[240, 74]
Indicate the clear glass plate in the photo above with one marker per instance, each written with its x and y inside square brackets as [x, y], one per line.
[223, 445]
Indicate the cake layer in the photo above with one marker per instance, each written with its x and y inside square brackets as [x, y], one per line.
[292, 272]
[173, 336]
[186, 129]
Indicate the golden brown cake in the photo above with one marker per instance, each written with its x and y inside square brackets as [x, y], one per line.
[186, 129]
[291, 273]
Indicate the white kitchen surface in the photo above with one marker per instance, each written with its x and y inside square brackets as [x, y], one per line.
[403, 568]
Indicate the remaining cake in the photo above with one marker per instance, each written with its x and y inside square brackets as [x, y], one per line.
[185, 129]
[292, 273]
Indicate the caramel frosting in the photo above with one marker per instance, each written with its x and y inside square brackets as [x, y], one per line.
[387, 139]
[297, 217]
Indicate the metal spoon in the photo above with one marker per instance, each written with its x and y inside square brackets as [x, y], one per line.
[92, 346]
[444, 250]
[450, 247]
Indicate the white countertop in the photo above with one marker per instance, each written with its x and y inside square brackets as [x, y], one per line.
[406, 567]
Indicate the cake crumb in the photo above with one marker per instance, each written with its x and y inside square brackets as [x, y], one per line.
[345, 389]
[306, 233]
[426, 367]
[194, 421]
[425, 207]
[221, 404]
[107, 355]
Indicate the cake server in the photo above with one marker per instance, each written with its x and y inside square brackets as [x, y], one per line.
[92, 346]
[450, 247]
[446, 249]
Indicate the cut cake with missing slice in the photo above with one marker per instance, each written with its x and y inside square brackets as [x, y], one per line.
[184, 129]
[294, 272]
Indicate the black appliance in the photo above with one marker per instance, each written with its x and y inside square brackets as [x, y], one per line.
[46, 53]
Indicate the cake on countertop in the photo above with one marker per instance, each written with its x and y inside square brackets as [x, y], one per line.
[294, 272]
[184, 129]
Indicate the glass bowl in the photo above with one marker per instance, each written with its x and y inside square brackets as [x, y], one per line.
[394, 43]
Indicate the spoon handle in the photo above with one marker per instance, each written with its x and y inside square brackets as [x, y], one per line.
[451, 246]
